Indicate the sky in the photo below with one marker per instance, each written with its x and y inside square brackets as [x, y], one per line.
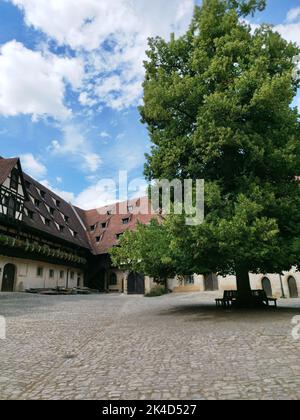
[71, 80]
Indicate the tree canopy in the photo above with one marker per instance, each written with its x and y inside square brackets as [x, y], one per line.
[217, 104]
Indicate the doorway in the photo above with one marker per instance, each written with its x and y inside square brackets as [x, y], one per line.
[211, 282]
[8, 279]
[266, 285]
[293, 289]
[136, 284]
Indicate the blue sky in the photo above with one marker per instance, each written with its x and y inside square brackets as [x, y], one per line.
[70, 84]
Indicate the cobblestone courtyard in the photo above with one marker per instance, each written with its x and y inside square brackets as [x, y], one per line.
[122, 347]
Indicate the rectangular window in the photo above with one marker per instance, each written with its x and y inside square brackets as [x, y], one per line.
[66, 218]
[47, 222]
[61, 274]
[93, 228]
[57, 203]
[125, 221]
[37, 202]
[104, 225]
[61, 228]
[72, 274]
[130, 209]
[40, 271]
[51, 273]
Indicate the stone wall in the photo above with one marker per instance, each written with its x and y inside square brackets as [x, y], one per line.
[280, 286]
[26, 275]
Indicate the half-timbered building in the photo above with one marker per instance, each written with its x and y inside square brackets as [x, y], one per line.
[46, 242]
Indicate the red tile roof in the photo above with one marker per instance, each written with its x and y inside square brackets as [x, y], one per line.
[141, 212]
[6, 166]
[41, 200]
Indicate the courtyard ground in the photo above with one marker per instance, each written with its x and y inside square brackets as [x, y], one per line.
[131, 347]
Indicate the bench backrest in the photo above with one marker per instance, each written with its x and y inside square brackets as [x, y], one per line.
[230, 294]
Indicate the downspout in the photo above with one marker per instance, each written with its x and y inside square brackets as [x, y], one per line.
[282, 288]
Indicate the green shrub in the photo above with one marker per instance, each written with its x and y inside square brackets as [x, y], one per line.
[157, 291]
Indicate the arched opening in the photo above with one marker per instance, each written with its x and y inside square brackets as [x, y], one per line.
[293, 289]
[136, 284]
[8, 279]
[266, 285]
[211, 282]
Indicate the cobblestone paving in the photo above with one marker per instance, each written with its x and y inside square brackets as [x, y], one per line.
[122, 347]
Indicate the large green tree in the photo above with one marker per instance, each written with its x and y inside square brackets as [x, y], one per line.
[217, 103]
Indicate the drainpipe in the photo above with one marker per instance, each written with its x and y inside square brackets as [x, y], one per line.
[282, 288]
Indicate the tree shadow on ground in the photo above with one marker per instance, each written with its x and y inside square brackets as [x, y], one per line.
[206, 311]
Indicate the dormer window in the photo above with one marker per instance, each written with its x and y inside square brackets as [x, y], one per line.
[74, 234]
[125, 221]
[37, 202]
[61, 228]
[43, 194]
[93, 228]
[47, 222]
[30, 214]
[57, 202]
[52, 211]
[104, 225]
[14, 179]
[130, 209]
[66, 219]
[99, 239]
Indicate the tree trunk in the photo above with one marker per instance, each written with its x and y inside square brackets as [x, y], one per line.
[166, 285]
[244, 295]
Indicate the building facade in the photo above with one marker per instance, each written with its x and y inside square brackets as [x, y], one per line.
[286, 285]
[46, 242]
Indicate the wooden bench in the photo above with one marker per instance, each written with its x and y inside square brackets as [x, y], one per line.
[230, 296]
[262, 296]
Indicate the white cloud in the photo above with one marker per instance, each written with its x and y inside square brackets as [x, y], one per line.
[104, 135]
[32, 166]
[68, 196]
[112, 38]
[120, 136]
[97, 195]
[85, 100]
[289, 31]
[293, 14]
[33, 83]
[75, 146]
